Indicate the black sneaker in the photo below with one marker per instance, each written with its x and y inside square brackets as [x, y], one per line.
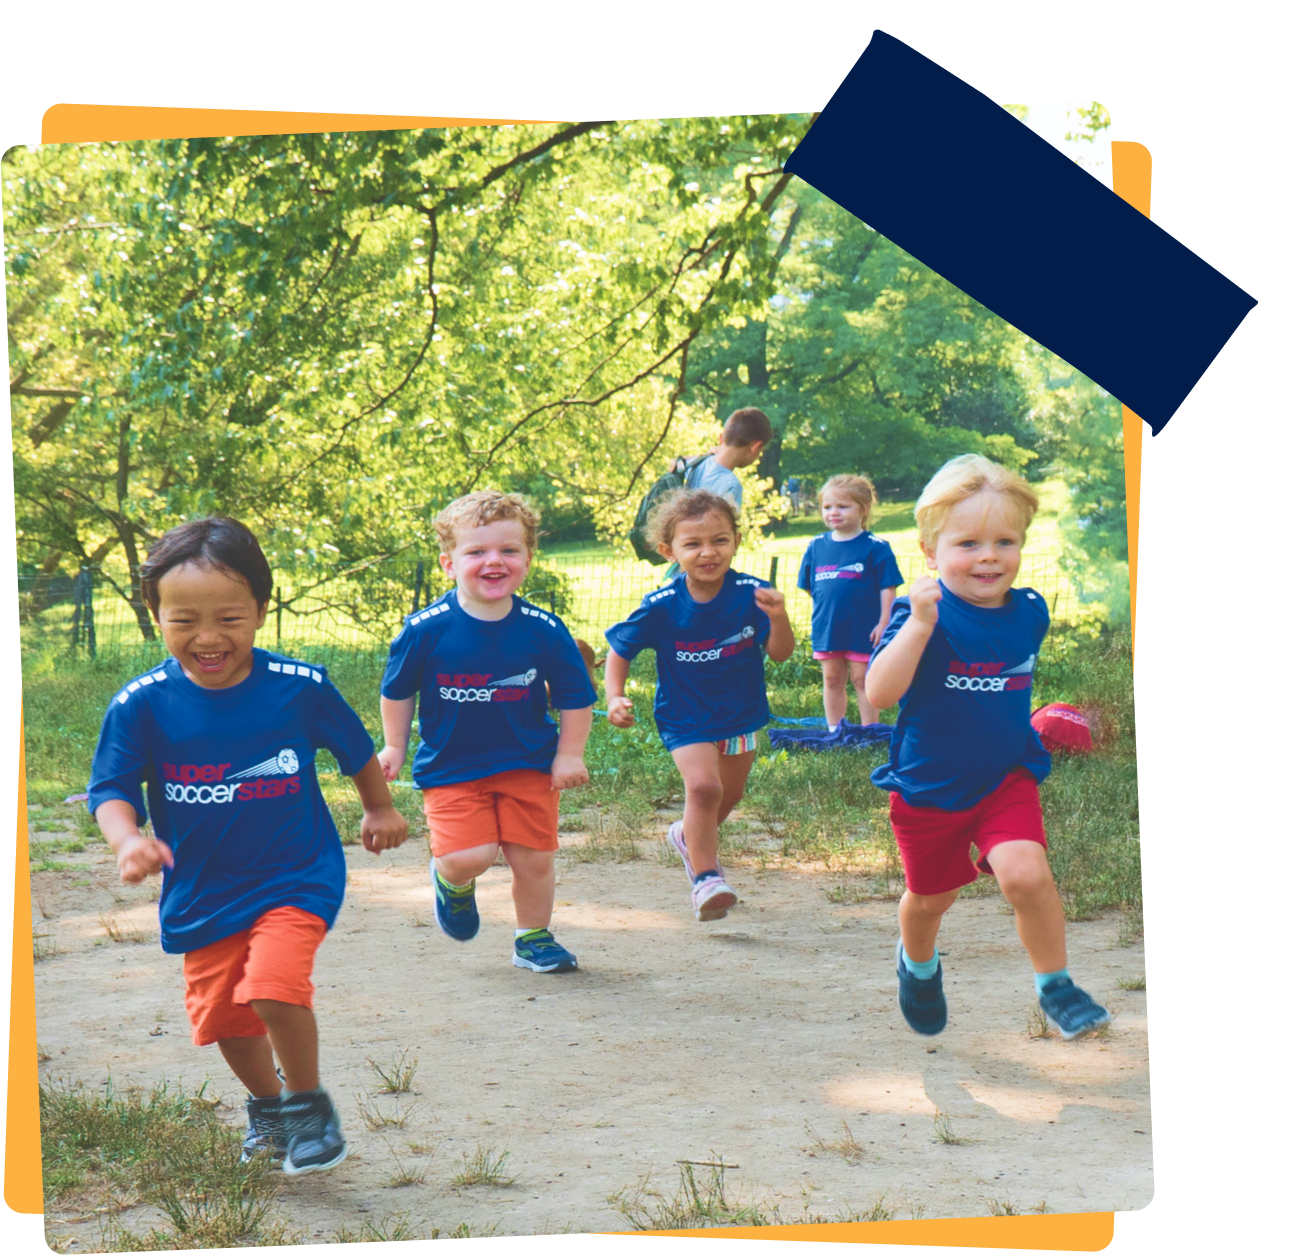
[266, 1132]
[922, 1000]
[313, 1139]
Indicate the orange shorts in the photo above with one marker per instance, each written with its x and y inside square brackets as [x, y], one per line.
[518, 806]
[271, 960]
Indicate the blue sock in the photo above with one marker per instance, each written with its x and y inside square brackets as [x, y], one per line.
[1044, 979]
[921, 971]
[701, 876]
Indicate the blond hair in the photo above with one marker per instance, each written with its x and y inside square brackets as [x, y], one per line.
[859, 488]
[477, 510]
[683, 504]
[964, 477]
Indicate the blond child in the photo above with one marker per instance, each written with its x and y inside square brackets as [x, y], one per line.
[853, 578]
[707, 628]
[965, 764]
[491, 761]
[226, 735]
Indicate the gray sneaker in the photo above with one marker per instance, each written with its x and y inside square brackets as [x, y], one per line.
[313, 1139]
[265, 1134]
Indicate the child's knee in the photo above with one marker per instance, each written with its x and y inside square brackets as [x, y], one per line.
[1025, 880]
[704, 791]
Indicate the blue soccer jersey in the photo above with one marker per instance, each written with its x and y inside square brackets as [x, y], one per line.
[965, 720]
[846, 579]
[710, 658]
[232, 789]
[483, 686]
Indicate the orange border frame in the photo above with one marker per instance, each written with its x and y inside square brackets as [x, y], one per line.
[62, 124]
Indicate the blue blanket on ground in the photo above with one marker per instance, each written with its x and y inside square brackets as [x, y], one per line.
[844, 737]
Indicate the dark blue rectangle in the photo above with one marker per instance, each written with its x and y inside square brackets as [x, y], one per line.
[962, 185]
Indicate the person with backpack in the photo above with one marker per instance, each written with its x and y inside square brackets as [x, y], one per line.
[745, 434]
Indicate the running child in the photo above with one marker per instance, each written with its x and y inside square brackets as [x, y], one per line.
[853, 578]
[707, 628]
[225, 735]
[965, 763]
[491, 761]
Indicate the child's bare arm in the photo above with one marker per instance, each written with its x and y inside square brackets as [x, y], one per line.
[619, 709]
[888, 597]
[892, 670]
[382, 825]
[568, 768]
[781, 641]
[138, 856]
[396, 719]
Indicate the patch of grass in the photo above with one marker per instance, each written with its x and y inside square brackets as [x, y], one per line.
[943, 1133]
[1131, 983]
[694, 1205]
[395, 1074]
[1007, 1208]
[1130, 928]
[44, 945]
[483, 1167]
[613, 837]
[395, 1228]
[1038, 1024]
[408, 1174]
[164, 1148]
[116, 929]
[376, 1116]
[844, 1144]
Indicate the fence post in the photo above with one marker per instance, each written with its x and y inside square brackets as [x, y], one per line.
[277, 594]
[77, 581]
[88, 620]
[773, 571]
[416, 585]
[551, 600]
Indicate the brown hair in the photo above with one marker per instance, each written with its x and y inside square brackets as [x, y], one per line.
[218, 542]
[477, 510]
[964, 477]
[683, 504]
[859, 488]
[746, 426]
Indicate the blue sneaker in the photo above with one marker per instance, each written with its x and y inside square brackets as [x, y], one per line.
[922, 1001]
[313, 1139]
[1071, 1010]
[265, 1133]
[455, 910]
[540, 951]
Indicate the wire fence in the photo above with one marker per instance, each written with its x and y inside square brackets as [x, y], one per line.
[331, 615]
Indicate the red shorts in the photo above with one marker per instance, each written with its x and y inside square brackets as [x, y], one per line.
[842, 654]
[935, 845]
[517, 806]
[271, 960]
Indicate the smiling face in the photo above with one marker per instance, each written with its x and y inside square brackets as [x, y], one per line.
[489, 564]
[978, 549]
[704, 548]
[841, 512]
[208, 617]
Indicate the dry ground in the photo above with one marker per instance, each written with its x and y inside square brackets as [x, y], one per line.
[771, 1038]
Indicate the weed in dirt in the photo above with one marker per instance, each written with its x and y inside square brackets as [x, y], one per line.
[1007, 1208]
[879, 1210]
[44, 945]
[1038, 1024]
[1131, 983]
[395, 1228]
[1130, 928]
[377, 1116]
[395, 1074]
[117, 929]
[613, 837]
[408, 1174]
[41, 1054]
[943, 1133]
[483, 1167]
[164, 1148]
[694, 1205]
[844, 1144]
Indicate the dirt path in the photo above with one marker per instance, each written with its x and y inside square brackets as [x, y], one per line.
[752, 1038]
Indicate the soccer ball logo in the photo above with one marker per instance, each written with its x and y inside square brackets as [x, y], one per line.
[288, 762]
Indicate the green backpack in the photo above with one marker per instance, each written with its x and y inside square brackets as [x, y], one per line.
[675, 477]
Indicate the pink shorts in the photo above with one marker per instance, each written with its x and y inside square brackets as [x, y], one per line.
[935, 845]
[842, 654]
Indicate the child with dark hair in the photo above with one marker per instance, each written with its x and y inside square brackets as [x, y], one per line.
[223, 737]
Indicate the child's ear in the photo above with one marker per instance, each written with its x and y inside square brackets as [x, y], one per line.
[664, 550]
[929, 555]
[445, 561]
[262, 615]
